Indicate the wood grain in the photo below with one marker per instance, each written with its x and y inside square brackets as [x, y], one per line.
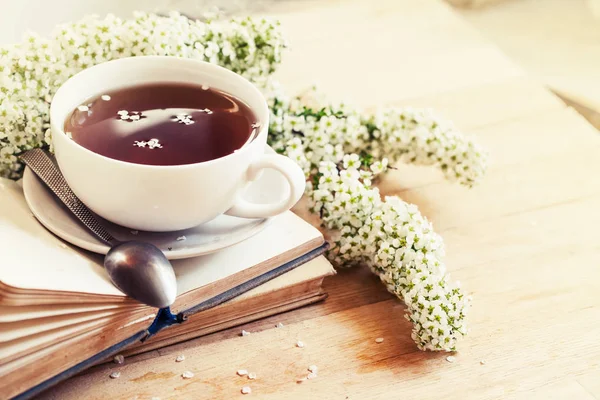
[524, 243]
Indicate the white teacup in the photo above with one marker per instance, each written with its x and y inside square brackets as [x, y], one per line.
[167, 198]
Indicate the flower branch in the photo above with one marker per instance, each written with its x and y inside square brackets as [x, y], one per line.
[388, 235]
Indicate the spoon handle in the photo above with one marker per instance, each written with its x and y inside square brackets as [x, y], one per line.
[43, 166]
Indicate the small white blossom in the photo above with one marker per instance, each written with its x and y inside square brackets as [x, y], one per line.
[184, 119]
[118, 359]
[187, 375]
[154, 144]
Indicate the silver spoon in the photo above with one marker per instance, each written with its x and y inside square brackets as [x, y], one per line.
[138, 269]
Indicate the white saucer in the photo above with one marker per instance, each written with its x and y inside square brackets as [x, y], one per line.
[222, 232]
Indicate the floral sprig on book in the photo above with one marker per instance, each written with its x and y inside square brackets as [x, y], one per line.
[341, 150]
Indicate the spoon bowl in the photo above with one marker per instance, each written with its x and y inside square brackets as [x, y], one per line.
[142, 268]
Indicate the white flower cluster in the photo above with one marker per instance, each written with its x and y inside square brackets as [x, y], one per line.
[417, 136]
[335, 147]
[407, 135]
[31, 71]
[400, 246]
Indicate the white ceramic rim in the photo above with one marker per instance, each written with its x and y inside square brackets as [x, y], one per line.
[100, 248]
[58, 116]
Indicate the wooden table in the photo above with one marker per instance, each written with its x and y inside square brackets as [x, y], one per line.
[524, 243]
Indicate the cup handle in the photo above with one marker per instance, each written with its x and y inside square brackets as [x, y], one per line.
[291, 172]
